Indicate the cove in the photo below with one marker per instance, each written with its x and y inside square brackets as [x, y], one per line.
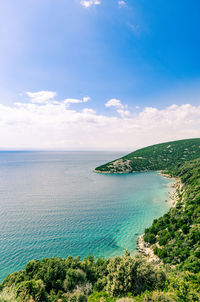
[52, 204]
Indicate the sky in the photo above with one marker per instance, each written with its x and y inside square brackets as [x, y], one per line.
[98, 74]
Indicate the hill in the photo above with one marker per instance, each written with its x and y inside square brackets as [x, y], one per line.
[157, 157]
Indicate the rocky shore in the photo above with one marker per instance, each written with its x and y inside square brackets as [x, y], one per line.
[177, 187]
[146, 248]
[119, 166]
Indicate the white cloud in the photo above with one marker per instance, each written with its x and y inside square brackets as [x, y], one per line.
[122, 4]
[120, 108]
[47, 97]
[88, 3]
[114, 103]
[77, 101]
[123, 112]
[41, 97]
[56, 126]
[89, 111]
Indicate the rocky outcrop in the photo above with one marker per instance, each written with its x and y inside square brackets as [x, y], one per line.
[146, 249]
[119, 166]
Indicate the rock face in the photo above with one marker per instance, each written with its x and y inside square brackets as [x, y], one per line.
[146, 249]
[119, 166]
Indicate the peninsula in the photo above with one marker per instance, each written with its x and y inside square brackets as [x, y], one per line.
[157, 157]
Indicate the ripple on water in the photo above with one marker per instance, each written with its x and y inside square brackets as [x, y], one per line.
[52, 204]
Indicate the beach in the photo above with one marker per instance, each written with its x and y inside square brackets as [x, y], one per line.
[146, 248]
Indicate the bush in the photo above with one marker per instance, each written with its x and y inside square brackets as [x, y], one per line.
[73, 278]
[35, 289]
[100, 297]
[134, 275]
[151, 238]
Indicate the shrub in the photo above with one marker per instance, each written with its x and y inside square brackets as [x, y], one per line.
[127, 274]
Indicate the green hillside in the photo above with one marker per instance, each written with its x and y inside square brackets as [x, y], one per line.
[176, 236]
[156, 157]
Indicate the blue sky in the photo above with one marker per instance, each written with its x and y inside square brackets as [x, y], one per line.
[141, 53]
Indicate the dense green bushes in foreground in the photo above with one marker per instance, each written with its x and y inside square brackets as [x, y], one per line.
[74, 280]
[99, 280]
[175, 238]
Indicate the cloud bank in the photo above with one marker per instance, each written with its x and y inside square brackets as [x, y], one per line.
[43, 123]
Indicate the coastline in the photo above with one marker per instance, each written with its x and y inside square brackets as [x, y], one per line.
[146, 248]
[142, 246]
[177, 187]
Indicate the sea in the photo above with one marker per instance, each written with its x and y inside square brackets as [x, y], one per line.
[52, 204]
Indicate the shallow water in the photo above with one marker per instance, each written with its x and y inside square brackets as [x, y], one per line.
[52, 204]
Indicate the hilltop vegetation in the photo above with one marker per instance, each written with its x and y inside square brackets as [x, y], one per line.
[174, 237]
[157, 157]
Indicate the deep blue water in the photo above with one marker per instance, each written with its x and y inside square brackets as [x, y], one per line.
[52, 204]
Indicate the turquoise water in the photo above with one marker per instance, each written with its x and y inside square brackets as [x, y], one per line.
[52, 204]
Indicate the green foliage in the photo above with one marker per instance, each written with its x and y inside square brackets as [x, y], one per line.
[155, 296]
[150, 237]
[127, 274]
[178, 232]
[78, 279]
[73, 277]
[156, 157]
[34, 288]
[50, 279]
[100, 297]
[185, 286]
[8, 294]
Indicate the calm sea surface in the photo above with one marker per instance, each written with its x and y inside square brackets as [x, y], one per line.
[52, 204]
